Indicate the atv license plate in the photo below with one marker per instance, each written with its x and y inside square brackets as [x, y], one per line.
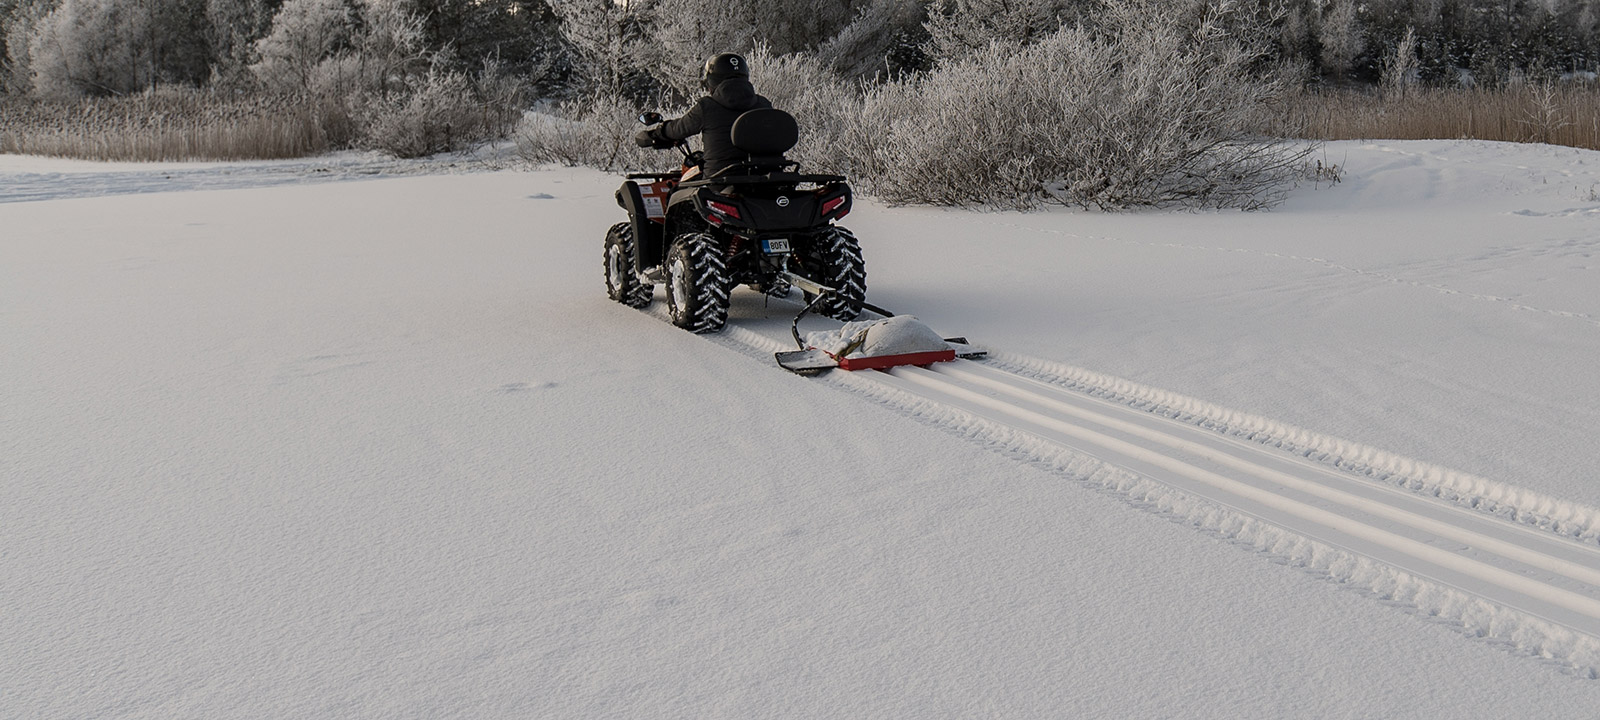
[775, 246]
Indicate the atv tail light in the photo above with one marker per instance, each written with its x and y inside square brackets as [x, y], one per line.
[723, 209]
[832, 205]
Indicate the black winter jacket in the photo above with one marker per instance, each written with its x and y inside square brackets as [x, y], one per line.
[712, 118]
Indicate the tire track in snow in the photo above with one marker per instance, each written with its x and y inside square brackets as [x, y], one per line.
[1536, 590]
[1562, 578]
[1469, 491]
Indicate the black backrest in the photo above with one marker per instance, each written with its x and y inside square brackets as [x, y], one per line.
[765, 133]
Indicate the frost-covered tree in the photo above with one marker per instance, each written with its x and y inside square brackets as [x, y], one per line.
[101, 47]
[232, 29]
[304, 33]
[176, 37]
[961, 27]
[1400, 67]
[520, 35]
[886, 37]
[1341, 37]
[93, 47]
[609, 46]
[18, 21]
[686, 32]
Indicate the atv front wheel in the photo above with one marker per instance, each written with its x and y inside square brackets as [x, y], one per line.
[622, 281]
[697, 284]
[835, 260]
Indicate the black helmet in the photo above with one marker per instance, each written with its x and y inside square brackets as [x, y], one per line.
[724, 66]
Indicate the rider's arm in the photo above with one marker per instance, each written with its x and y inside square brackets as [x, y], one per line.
[686, 126]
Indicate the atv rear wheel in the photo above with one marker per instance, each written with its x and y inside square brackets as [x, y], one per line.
[622, 279]
[835, 260]
[697, 283]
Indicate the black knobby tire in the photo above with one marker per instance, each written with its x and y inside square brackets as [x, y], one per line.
[835, 261]
[697, 283]
[622, 280]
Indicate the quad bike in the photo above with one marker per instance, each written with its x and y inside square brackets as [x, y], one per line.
[759, 223]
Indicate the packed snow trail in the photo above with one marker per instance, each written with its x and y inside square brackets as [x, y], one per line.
[1537, 589]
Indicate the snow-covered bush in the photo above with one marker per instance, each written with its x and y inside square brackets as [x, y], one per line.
[375, 67]
[443, 111]
[959, 28]
[594, 131]
[430, 118]
[686, 33]
[888, 37]
[802, 85]
[597, 130]
[1154, 104]
[370, 79]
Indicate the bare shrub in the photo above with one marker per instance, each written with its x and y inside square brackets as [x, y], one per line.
[1545, 117]
[439, 112]
[1158, 104]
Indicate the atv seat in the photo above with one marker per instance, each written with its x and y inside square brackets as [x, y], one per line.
[765, 134]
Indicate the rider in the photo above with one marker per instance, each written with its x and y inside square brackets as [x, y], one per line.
[726, 79]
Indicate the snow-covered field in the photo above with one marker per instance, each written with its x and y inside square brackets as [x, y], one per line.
[273, 448]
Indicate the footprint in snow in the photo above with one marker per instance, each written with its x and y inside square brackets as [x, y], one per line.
[518, 387]
[318, 365]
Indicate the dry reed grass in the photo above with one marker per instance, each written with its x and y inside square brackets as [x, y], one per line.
[161, 126]
[1558, 114]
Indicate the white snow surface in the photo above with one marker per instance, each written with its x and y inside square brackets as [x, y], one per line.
[385, 449]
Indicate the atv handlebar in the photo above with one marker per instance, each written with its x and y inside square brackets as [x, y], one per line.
[648, 137]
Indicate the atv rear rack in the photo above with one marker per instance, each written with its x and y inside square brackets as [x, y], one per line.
[776, 178]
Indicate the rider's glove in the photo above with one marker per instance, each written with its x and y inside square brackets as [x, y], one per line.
[654, 138]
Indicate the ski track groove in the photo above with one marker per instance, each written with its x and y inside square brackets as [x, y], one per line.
[1468, 491]
[1527, 579]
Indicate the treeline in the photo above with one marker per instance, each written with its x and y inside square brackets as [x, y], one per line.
[65, 48]
[71, 48]
[1103, 103]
